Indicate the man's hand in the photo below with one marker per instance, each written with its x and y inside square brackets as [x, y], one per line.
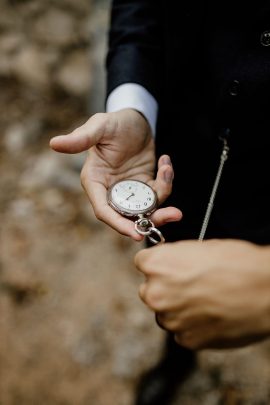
[120, 146]
[212, 294]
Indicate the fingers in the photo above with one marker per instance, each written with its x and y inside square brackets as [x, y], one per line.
[164, 178]
[83, 137]
[165, 215]
[158, 322]
[141, 258]
[169, 320]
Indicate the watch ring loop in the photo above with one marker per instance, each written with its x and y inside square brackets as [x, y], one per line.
[154, 230]
[139, 226]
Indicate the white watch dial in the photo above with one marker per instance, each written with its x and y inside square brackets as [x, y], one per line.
[132, 197]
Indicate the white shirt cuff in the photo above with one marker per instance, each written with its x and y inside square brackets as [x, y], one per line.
[132, 95]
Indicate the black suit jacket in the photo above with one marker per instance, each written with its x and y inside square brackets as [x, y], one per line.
[208, 65]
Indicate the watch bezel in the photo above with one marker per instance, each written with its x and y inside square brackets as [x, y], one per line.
[128, 212]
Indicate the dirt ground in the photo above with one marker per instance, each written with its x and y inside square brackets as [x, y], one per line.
[72, 328]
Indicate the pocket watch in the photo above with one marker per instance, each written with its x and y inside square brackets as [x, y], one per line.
[136, 199]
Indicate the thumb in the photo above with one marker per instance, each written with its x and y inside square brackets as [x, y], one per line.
[83, 137]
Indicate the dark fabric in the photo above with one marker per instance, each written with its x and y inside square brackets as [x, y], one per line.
[135, 38]
[206, 63]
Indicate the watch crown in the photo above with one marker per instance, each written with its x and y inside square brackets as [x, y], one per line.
[144, 223]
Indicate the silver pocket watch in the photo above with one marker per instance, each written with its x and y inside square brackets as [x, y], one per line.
[136, 199]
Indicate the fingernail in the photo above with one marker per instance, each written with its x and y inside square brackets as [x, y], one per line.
[166, 160]
[168, 176]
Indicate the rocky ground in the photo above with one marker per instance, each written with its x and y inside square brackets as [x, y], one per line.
[72, 329]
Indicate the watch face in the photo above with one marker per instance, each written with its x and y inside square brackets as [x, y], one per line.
[132, 197]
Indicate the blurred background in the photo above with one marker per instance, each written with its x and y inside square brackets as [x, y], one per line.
[72, 328]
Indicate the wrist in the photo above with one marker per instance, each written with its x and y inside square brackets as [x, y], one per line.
[145, 120]
[134, 120]
[134, 96]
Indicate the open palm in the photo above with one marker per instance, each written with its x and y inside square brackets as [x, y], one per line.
[120, 146]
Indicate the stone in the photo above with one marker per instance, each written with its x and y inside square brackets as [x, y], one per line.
[74, 76]
[19, 135]
[30, 66]
[56, 27]
[50, 170]
[11, 42]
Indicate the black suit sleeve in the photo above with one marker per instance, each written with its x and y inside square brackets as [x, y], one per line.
[135, 44]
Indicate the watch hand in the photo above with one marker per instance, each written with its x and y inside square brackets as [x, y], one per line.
[131, 195]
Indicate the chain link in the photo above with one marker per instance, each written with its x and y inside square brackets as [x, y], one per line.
[144, 226]
[223, 158]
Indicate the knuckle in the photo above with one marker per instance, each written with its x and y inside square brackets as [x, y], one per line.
[150, 263]
[152, 298]
[187, 340]
[142, 292]
[171, 325]
[172, 319]
[192, 345]
[141, 264]
[162, 321]
[159, 321]
[98, 213]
